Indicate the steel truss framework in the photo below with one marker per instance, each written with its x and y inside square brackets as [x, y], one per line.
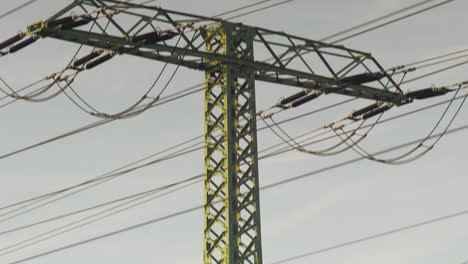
[225, 52]
[320, 69]
[232, 209]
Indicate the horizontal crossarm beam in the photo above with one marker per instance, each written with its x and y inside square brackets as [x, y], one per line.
[297, 61]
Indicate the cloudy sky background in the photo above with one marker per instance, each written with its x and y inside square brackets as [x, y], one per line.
[320, 211]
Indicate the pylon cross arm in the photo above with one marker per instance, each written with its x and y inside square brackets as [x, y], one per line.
[280, 58]
[225, 52]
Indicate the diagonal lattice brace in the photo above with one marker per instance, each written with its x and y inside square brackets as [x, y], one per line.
[297, 61]
[232, 209]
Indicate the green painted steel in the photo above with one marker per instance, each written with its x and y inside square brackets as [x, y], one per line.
[232, 206]
[225, 52]
[296, 61]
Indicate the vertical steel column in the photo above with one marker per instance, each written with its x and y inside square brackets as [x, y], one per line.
[232, 208]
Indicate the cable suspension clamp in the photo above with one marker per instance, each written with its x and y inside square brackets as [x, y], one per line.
[35, 28]
[51, 76]
[339, 127]
[266, 116]
[409, 70]
[329, 125]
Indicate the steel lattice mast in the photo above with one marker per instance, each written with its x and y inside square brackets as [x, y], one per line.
[225, 52]
[232, 204]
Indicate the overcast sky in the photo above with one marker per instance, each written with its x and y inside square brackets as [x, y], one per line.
[329, 208]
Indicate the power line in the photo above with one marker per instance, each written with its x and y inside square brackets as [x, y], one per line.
[242, 8]
[140, 111]
[436, 57]
[329, 151]
[91, 183]
[275, 153]
[16, 9]
[191, 140]
[303, 142]
[240, 15]
[452, 0]
[57, 77]
[193, 209]
[436, 71]
[367, 23]
[354, 145]
[124, 206]
[260, 2]
[96, 113]
[34, 200]
[260, 9]
[103, 175]
[48, 220]
[68, 83]
[193, 90]
[440, 62]
[91, 125]
[287, 1]
[113, 174]
[393, 118]
[402, 158]
[186, 92]
[377, 26]
[376, 236]
[316, 172]
[393, 21]
[444, 69]
[280, 152]
[33, 243]
[49, 195]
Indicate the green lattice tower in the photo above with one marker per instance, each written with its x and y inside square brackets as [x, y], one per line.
[232, 208]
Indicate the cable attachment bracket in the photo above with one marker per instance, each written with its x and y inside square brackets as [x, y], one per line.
[35, 28]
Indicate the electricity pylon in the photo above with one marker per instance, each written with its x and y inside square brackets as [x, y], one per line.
[225, 52]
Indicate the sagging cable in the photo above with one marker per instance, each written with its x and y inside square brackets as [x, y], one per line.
[76, 23]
